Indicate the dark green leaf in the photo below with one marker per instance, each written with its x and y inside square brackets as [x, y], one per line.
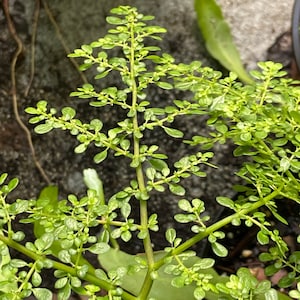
[218, 39]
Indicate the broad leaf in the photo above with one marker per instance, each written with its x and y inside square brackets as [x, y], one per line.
[218, 39]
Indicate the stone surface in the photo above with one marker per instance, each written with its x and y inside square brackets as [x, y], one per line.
[256, 24]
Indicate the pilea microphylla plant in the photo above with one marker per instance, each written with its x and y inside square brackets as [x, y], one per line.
[262, 120]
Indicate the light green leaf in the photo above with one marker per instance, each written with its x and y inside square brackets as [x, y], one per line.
[225, 201]
[171, 235]
[218, 39]
[99, 248]
[164, 85]
[177, 189]
[43, 128]
[93, 182]
[262, 238]
[42, 294]
[219, 249]
[175, 133]
[68, 112]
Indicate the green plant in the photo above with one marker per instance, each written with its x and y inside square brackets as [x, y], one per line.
[261, 119]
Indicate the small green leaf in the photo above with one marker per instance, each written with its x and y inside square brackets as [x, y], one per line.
[185, 205]
[164, 85]
[177, 189]
[284, 164]
[158, 164]
[36, 279]
[219, 249]
[175, 133]
[64, 293]
[115, 20]
[3, 177]
[178, 282]
[64, 256]
[205, 263]
[126, 210]
[42, 294]
[12, 184]
[171, 235]
[68, 112]
[99, 248]
[43, 128]
[262, 238]
[199, 293]
[101, 156]
[71, 223]
[225, 201]
[80, 148]
[18, 263]
[31, 110]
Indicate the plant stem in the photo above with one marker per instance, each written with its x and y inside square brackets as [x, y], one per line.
[214, 227]
[139, 173]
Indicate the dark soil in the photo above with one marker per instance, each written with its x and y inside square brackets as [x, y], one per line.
[55, 78]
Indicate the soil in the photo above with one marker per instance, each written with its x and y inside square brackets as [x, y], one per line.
[55, 77]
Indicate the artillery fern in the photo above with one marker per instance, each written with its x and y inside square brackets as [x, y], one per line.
[261, 119]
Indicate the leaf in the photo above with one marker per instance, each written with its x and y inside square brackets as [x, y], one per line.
[177, 189]
[93, 182]
[218, 39]
[171, 235]
[175, 133]
[80, 148]
[219, 249]
[43, 128]
[115, 20]
[99, 248]
[164, 85]
[225, 201]
[68, 112]
[12, 184]
[42, 294]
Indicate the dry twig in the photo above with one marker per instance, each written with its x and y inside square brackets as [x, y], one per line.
[16, 55]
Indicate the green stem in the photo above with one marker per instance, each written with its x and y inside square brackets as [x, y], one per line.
[27, 278]
[214, 227]
[139, 173]
[89, 277]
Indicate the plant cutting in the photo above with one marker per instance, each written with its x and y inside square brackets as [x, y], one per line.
[262, 120]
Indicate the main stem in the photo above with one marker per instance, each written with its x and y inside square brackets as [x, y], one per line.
[140, 175]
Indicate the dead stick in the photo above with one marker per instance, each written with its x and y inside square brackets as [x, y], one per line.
[19, 50]
[33, 38]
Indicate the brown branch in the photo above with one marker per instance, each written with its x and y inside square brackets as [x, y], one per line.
[33, 38]
[17, 53]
